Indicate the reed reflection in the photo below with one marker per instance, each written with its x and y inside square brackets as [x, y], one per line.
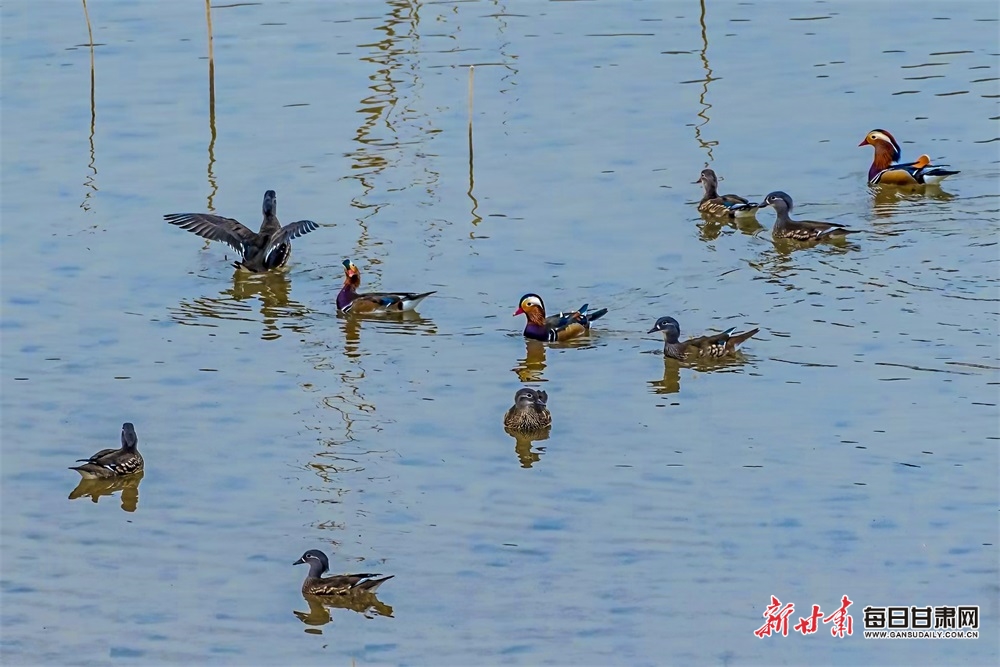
[278, 311]
[97, 488]
[213, 186]
[532, 367]
[705, 106]
[90, 182]
[364, 603]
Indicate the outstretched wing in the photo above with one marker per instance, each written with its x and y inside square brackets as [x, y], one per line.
[214, 228]
[287, 233]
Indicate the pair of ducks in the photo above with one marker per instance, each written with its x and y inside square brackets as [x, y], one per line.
[271, 247]
[566, 326]
[885, 170]
[112, 463]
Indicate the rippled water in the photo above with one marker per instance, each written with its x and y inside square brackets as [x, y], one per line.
[852, 450]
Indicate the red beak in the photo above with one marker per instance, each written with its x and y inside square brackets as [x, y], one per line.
[864, 142]
[519, 311]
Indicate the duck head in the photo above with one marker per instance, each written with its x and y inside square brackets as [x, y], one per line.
[779, 201]
[532, 307]
[317, 561]
[270, 206]
[129, 439]
[709, 180]
[670, 328]
[884, 143]
[530, 399]
[351, 274]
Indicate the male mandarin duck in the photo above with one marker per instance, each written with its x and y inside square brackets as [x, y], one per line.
[109, 463]
[886, 168]
[800, 230]
[558, 327]
[723, 206]
[376, 303]
[529, 412]
[267, 249]
[342, 584]
[715, 346]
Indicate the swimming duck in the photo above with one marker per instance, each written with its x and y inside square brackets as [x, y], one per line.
[529, 412]
[114, 462]
[716, 345]
[342, 584]
[558, 327]
[349, 301]
[886, 168]
[800, 230]
[723, 206]
[268, 249]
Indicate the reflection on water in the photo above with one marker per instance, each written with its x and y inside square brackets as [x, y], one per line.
[523, 442]
[409, 323]
[670, 383]
[705, 106]
[277, 310]
[710, 228]
[887, 198]
[363, 602]
[90, 182]
[95, 488]
[532, 366]
[213, 187]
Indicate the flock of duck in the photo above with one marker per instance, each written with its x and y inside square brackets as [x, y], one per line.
[270, 248]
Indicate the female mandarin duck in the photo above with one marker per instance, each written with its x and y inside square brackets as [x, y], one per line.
[715, 346]
[529, 412]
[267, 249]
[723, 206]
[109, 463]
[558, 327]
[800, 230]
[376, 303]
[886, 168]
[342, 584]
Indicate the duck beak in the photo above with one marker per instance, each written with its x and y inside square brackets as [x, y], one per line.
[652, 330]
[298, 562]
[864, 142]
[519, 311]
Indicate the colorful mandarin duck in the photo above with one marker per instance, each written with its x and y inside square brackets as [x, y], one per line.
[722, 206]
[529, 412]
[342, 584]
[267, 249]
[800, 230]
[109, 463]
[715, 346]
[558, 327]
[886, 168]
[375, 303]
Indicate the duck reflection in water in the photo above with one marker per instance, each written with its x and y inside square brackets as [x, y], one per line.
[528, 421]
[532, 367]
[364, 603]
[886, 199]
[407, 323]
[277, 310]
[96, 488]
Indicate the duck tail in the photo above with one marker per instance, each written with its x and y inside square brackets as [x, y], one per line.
[740, 338]
[596, 315]
[371, 585]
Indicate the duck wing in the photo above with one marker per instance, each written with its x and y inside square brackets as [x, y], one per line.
[290, 231]
[214, 228]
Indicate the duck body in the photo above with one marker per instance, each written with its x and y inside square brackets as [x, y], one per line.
[722, 206]
[109, 463]
[558, 327]
[529, 412]
[886, 169]
[800, 230]
[342, 584]
[259, 251]
[714, 346]
[373, 303]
